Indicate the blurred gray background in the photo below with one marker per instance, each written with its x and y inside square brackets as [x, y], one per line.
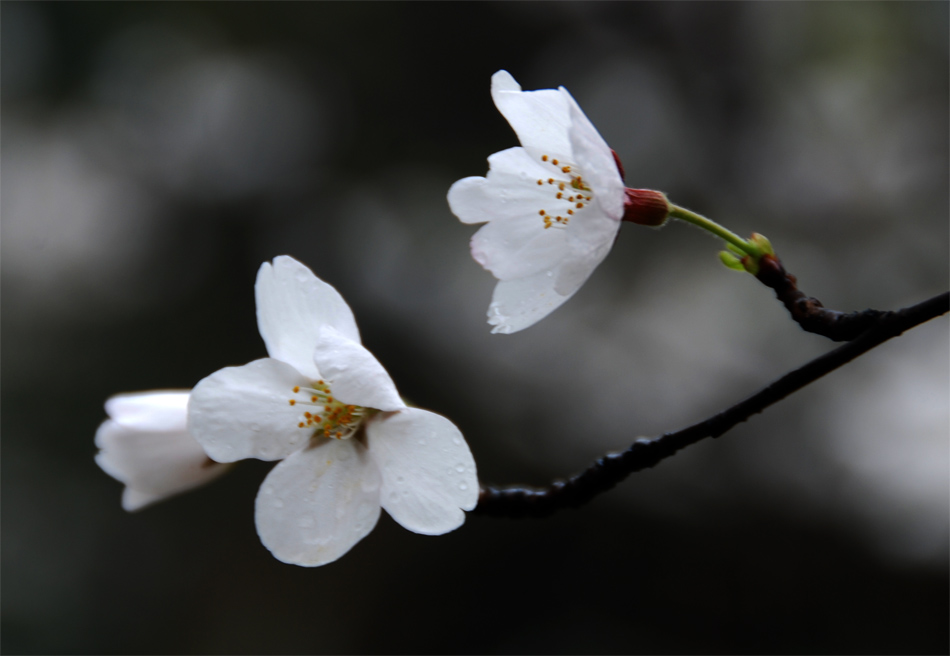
[155, 154]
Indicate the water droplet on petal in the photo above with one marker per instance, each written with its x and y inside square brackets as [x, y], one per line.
[457, 441]
[463, 486]
[268, 489]
[460, 468]
[400, 479]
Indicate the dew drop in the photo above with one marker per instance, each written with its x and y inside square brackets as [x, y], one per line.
[268, 489]
[550, 274]
[394, 496]
[463, 486]
[457, 441]
[460, 468]
[400, 479]
[422, 441]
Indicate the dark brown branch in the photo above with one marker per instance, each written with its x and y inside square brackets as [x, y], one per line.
[516, 501]
[808, 312]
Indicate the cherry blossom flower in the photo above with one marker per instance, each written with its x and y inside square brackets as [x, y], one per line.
[326, 408]
[553, 206]
[145, 444]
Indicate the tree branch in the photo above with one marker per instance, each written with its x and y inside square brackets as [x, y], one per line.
[607, 471]
[807, 311]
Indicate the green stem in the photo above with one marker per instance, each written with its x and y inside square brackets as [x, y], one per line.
[702, 222]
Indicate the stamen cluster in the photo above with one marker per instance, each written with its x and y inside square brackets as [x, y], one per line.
[334, 419]
[575, 198]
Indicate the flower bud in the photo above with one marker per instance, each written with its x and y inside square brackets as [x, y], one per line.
[731, 261]
[764, 244]
[645, 207]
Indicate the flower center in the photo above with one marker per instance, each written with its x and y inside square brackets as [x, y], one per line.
[570, 193]
[331, 418]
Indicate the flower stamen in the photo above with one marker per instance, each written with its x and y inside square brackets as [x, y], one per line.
[330, 418]
[575, 201]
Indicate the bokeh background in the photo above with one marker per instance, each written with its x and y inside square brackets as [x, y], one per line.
[153, 155]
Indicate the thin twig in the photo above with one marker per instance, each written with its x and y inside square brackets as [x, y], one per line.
[518, 501]
[807, 311]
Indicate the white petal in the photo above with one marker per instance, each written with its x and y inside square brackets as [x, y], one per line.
[596, 160]
[575, 271]
[520, 247]
[244, 412]
[517, 304]
[354, 375]
[471, 201]
[292, 305]
[427, 470]
[315, 505]
[133, 500]
[540, 118]
[510, 190]
[515, 243]
[153, 464]
[156, 411]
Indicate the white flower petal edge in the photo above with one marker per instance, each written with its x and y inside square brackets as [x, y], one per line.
[553, 206]
[244, 412]
[541, 118]
[319, 502]
[358, 377]
[345, 435]
[427, 469]
[145, 445]
[292, 305]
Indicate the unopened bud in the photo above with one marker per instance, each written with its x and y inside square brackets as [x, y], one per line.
[645, 207]
[731, 261]
[764, 244]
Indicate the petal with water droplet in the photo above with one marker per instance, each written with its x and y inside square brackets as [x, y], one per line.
[434, 497]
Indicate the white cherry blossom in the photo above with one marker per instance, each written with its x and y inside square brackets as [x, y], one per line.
[553, 206]
[146, 445]
[325, 407]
